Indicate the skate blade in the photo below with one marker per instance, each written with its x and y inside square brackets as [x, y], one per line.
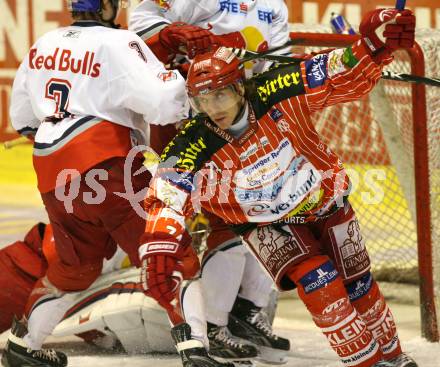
[247, 363]
[271, 356]
[238, 362]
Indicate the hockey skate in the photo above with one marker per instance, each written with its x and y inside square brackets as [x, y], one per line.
[223, 345]
[251, 324]
[193, 352]
[17, 354]
[403, 360]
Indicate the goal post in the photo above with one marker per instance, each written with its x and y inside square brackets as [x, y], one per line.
[396, 131]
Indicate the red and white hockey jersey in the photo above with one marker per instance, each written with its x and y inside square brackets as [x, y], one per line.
[262, 23]
[279, 169]
[83, 90]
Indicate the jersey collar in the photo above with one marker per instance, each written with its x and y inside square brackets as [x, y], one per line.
[251, 129]
[87, 23]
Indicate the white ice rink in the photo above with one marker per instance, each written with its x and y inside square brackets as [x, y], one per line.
[308, 347]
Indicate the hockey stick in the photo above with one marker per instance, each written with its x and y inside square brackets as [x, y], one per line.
[389, 75]
[14, 142]
[400, 4]
[246, 55]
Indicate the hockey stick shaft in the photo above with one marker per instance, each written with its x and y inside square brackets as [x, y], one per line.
[400, 4]
[246, 55]
[14, 142]
[389, 75]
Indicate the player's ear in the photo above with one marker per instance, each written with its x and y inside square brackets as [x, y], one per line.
[108, 11]
[240, 89]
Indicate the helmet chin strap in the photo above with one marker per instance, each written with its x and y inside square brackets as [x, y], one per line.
[241, 111]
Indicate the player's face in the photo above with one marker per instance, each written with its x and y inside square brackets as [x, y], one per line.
[221, 105]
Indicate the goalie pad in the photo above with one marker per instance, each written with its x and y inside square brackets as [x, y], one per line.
[115, 310]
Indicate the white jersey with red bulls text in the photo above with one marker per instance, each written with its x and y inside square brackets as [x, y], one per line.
[262, 23]
[89, 81]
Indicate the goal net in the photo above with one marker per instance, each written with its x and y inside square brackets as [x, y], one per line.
[379, 138]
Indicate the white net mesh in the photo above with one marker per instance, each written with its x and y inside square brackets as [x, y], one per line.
[374, 138]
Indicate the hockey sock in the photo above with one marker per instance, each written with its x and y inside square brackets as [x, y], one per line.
[321, 289]
[256, 285]
[366, 297]
[222, 272]
[45, 309]
[193, 309]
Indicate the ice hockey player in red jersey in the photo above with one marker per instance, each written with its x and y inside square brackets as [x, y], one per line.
[253, 158]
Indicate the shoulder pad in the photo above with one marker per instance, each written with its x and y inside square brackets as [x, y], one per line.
[192, 146]
[277, 84]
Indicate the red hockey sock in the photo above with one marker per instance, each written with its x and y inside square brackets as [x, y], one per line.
[369, 302]
[321, 289]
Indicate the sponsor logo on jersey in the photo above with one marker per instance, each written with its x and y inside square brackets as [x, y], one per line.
[251, 150]
[234, 7]
[171, 195]
[319, 277]
[334, 63]
[316, 70]
[270, 192]
[265, 16]
[294, 190]
[189, 155]
[264, 141]
[275, 114]
[281, 86]
[309, 203]
[72, 34]
[283, 126]
[183, 180]
[62, 60]
[138, 48]
[167, 76]
[266, 169]
[231, 7]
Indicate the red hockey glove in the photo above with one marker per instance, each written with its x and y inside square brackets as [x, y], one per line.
[162, 267]
[385, 30]
[186, 39]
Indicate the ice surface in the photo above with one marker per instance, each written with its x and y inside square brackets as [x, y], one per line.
[309, 347]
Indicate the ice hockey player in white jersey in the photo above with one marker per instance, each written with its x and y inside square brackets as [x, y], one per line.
[84, 92]
[256, 25]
